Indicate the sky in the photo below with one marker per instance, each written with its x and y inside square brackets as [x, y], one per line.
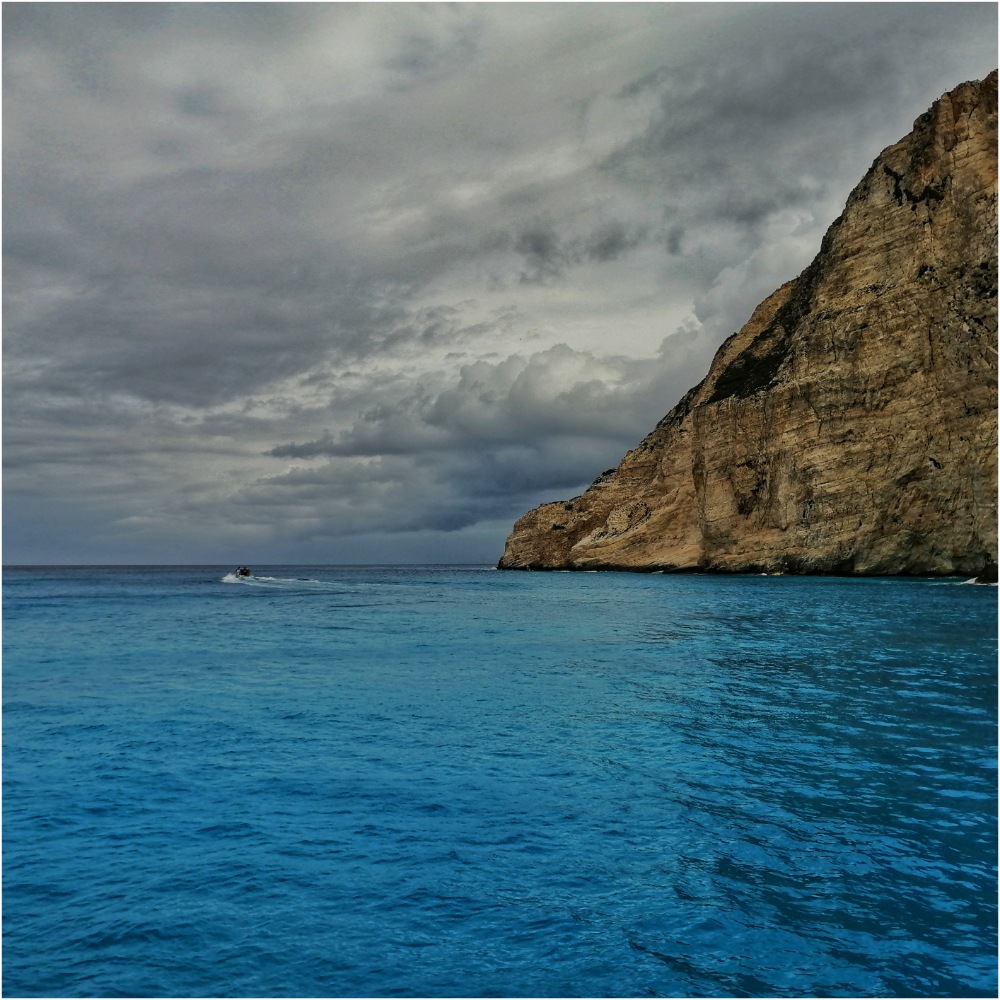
[363, 283]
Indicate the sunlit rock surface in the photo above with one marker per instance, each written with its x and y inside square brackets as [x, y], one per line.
[851, 425]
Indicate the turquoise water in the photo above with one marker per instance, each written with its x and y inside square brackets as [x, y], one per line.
[434, 781]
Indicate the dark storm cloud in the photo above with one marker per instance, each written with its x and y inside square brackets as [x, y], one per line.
[788, 93]
[443, 492]
[613, 240]
[547, 257]
[504, 437]
[673, 238]
[357, 268]
[540, 248]
[554, 394]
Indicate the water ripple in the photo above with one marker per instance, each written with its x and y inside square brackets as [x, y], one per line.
[433, 782]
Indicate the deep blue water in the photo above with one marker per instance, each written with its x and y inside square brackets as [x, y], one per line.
[460, 782]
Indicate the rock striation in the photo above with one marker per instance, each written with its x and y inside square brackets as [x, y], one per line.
[850, 427]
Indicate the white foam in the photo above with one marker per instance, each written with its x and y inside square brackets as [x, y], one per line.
[252, 581]
[275, 581]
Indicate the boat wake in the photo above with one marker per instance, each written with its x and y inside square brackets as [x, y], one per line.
[275, 582]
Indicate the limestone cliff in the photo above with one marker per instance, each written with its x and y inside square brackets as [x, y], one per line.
[851, 425]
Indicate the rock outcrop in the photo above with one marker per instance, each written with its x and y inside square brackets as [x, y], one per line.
[851, 426]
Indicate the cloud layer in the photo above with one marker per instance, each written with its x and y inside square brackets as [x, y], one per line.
[347, 282]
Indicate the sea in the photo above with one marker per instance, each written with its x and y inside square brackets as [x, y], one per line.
[450, 781]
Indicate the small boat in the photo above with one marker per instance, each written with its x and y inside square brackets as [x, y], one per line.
[243, 571]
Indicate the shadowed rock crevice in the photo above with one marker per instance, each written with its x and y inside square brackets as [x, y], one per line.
[850, 427]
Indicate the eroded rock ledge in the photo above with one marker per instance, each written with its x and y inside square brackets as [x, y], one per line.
[850, 427]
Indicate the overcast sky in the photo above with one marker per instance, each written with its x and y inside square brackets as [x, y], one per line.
[365, 282]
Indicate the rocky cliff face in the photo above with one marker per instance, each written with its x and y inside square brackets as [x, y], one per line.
[851, 425]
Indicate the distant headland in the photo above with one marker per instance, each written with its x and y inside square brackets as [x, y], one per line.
[850, 427]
